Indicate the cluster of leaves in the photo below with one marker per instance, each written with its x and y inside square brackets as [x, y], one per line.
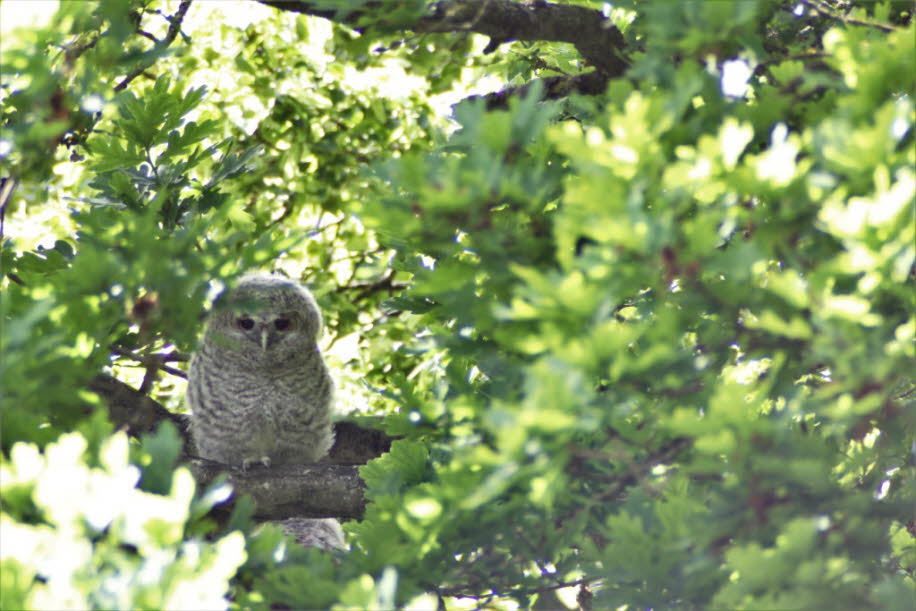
[86, 524]
[673, 336]
[172, 201]
[131, 276]
[653, 350]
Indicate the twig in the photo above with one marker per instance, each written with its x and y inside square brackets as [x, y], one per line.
[158, 359]
[147, 35]
[174, 28]
[385, 283]
[554, 87]
[636, 470]
[826, 11]
[462, 590]
[7, 186]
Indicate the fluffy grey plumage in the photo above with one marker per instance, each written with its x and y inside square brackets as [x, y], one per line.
[258, 388]
[325, 533]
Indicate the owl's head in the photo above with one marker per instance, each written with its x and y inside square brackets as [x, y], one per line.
[266, 317]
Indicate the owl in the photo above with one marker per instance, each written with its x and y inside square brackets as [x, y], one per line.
[258, 388]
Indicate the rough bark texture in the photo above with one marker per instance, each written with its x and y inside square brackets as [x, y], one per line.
[133, 410]
[356, 445]
[286, 491]
[594, 37]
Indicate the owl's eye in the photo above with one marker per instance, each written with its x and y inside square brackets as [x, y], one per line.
[245, 323]
[282, 324]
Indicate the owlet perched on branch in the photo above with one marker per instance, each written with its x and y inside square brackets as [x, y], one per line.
[258, 388]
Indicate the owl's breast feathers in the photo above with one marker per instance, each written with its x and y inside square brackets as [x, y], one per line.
[261, 394]
[282, 414]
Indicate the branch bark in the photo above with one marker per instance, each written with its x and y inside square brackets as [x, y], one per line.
[134, 411]
[596, 39]
[287, 491]
[593, 35]
[330, 488]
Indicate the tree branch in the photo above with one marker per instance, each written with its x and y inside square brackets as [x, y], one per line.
[596, 39]
[7, 187]
[286, 491]
[467, 591]
[330, 488]
[385, 283]
[825, 10]
[131, 409]
[134, 411]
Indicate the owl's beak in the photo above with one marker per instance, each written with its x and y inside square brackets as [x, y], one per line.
[264, 333]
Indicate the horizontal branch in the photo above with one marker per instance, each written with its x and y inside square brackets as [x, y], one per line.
[286, 491]
[331, 488]
[596, 39]
[137, 413]
[593, 35]
[319, 9]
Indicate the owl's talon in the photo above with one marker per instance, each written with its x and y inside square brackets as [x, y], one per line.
[247, 462]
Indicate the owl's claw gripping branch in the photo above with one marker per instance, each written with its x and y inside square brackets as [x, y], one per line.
[248, 462]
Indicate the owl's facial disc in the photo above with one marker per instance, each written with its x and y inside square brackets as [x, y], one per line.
[268, 329]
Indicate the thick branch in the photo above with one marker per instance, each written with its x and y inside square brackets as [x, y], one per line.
[131, 409]
[356, 445]
[593, 35]
[319, 9]
[596, 39]
[331, 488]
[286, 491]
